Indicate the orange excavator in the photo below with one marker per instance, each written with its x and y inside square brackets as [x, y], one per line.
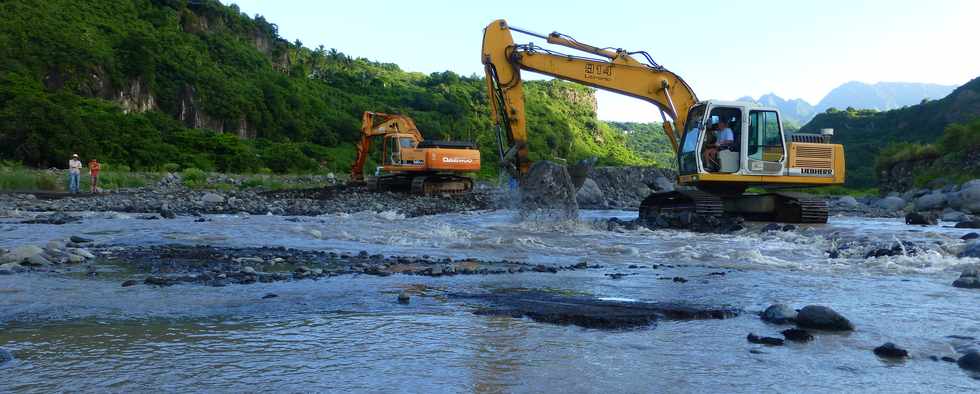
[410, 162]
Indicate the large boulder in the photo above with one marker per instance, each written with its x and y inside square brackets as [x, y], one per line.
[891, 203]
[930, 202]
[952, 215]
[822, 318]
[212, 198]
[969, 197]
[590, 195]
[548, 188]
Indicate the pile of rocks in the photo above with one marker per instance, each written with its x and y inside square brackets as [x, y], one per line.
[32, 257]
[622, 187]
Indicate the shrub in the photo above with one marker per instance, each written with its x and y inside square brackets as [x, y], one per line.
[194, 177]
[170, 167]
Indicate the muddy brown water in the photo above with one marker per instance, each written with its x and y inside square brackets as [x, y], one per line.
[70, 332]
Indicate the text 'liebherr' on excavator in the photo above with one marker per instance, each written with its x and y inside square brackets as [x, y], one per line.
[748, 148]
[411, 163]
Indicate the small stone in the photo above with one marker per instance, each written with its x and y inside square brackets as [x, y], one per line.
[789, 227]
[128, 283]
[679, 279]
[269, 295]
[248, 270]
[770, 341]
[403, 298]
[970, 361]
[889, 350]
[76, 259]
[79, 240]
[948, 359]
[797, 335]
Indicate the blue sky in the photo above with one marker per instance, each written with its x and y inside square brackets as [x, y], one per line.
[724, 49]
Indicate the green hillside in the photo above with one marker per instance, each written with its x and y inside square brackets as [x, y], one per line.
[143, 83]
[865, 133]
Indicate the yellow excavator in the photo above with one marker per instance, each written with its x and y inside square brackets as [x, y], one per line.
[410, 162]
[722, 147]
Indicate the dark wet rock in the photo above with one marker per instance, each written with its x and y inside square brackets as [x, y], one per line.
[771, 227]
[789, 227]
[770, 341]
[269, 295]
[970, 361]
[148, 217]
[130, 282]
[921, 218]
[717, 273]
[588, 312]
[756, 351]
[822, 318]
[159, 281]
[679, 279]
[969, 279]
[779, 314]
[57, 218]
[972, 250]
[617, 275]
[891, 351]
[201, 220]
[969, 236]
[5, 356]
[797, 335]
[948, 359]
[166, 212]
[403, 298]
[80, 240]
[902, 248]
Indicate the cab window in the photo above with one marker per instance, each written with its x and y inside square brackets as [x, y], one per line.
[688, 157]
[765, 141]
[407, 142]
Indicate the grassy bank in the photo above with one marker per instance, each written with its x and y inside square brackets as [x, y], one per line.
[16, 177]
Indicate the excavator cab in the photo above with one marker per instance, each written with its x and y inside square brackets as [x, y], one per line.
[399, 149]
[759, 146]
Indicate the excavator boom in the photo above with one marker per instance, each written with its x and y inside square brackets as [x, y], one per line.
[620, 72]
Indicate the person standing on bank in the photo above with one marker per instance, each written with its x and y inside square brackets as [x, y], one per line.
[74, 171]
[93, 169]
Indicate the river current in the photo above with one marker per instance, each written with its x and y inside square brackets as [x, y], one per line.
[74, 333]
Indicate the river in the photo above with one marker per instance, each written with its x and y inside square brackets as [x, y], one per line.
[75, 333]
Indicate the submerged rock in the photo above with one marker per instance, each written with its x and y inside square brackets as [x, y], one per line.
[589, 312]
[80, 240]
[403, 298]
[822, 318]
[797, 335]
[970, 361]
[970, 236]
[972, 250]
[5, 356]
[779, 314]
[269, 295]
[128, 283]
[891, 351]
[770, 341]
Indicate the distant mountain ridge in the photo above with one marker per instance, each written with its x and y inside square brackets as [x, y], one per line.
[881, 96]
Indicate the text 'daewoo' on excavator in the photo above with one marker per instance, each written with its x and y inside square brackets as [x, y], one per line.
[722, 147]
[411, 163]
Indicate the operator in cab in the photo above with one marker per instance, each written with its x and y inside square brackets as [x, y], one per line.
[720, 137]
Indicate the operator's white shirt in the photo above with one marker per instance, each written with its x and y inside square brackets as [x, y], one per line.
[726, 135]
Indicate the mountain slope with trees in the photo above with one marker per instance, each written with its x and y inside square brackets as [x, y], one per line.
[194, 83]
[866, 132]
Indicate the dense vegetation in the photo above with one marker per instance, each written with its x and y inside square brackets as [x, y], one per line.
[953, 157]
[148, 84]
[865, 133]
[649, 141]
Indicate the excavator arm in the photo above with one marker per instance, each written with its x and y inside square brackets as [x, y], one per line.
[617, 71]
[375, 124]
